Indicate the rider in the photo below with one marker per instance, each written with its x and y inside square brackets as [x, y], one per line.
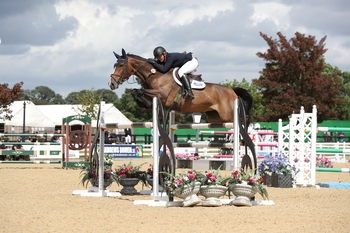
[163, 61]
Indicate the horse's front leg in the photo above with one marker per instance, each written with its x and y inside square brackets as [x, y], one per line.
[140, 98]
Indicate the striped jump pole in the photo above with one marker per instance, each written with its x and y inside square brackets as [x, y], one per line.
[333, 150]
[203, 144]
[129, 125]
[202, 126]
[216, 132]
[328, 169]
[31, 143]
[32, 134]
[30, 162]
[333, 129]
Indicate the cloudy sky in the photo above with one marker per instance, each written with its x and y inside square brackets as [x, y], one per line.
[67, 45]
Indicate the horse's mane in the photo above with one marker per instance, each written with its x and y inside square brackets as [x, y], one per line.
[137, 56]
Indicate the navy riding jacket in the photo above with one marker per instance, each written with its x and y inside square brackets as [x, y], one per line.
[173, 60]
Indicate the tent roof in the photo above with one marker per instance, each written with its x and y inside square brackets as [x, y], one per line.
[34, 117]
[52, 115]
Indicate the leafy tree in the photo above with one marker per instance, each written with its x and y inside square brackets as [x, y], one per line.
[107, 95]
[258, 108]
[7, 96]
[127, 105]
[72, 98]
[89, 100]
[344, 108]
[42, 95]
[293, 77]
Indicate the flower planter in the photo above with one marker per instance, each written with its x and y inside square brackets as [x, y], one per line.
[106, 184]
[184, 164]
[243, 193]
[150, 183]
[212, 193]
[285, 181]
[189, 195]
[281, 180]
[267, 180]
[128, 185]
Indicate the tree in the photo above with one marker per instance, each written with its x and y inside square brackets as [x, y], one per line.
[72, 98]
[344, 108]
[107, 95]
[42, 95]
[293, 77]
[7, 96]
[89, 100]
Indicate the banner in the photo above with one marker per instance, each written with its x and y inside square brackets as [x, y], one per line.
[124, 150]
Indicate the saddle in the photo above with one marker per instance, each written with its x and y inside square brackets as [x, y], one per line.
[197, 77]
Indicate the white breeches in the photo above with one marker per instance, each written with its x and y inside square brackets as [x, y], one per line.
[188, 67]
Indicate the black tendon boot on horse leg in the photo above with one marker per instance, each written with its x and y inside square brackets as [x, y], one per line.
[187, 87]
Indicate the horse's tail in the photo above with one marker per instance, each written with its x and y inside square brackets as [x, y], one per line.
[247, 100]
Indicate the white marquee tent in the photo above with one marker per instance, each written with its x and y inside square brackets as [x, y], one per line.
[46, 117]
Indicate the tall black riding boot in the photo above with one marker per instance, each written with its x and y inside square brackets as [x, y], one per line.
[187, 86]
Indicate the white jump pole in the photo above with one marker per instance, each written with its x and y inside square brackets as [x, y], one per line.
[102, 145]
[236, 134]
[155, 150]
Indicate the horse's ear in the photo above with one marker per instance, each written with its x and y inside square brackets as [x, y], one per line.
[116, 55]
[123, 53]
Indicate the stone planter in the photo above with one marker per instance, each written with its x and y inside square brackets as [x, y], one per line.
[150, 183]
[128, 185]
[107, 183]
[189, 195]
[212, 193]
[243, 193]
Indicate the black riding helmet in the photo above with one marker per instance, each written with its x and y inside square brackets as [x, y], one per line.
[158, 51]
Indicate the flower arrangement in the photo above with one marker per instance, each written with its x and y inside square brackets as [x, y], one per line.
[248, 177]
[323, 161]
[213, 177]
[149, 172]
[172, 182]
[278, 164]
[129, 171]
[108, 160]
[89, 176]
[186, 156]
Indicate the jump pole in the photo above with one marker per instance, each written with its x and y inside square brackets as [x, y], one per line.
[328, 169]
[236, 133]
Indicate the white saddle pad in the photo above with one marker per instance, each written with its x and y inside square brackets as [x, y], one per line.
[195, 84]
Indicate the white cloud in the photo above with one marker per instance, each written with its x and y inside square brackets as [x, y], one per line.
[276, 12]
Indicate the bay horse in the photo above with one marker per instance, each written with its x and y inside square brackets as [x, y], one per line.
[215, 100]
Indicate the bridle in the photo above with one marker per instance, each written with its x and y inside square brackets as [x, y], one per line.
[134, 72]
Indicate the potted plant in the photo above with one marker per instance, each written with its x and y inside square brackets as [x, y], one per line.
[87, 175]
[244, 184]
[184, 186]
[213, 186]
[323, 161]
[128, 176]
[277, 171]
[185, 159]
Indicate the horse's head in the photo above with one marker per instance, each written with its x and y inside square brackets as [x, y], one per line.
[121, 73]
